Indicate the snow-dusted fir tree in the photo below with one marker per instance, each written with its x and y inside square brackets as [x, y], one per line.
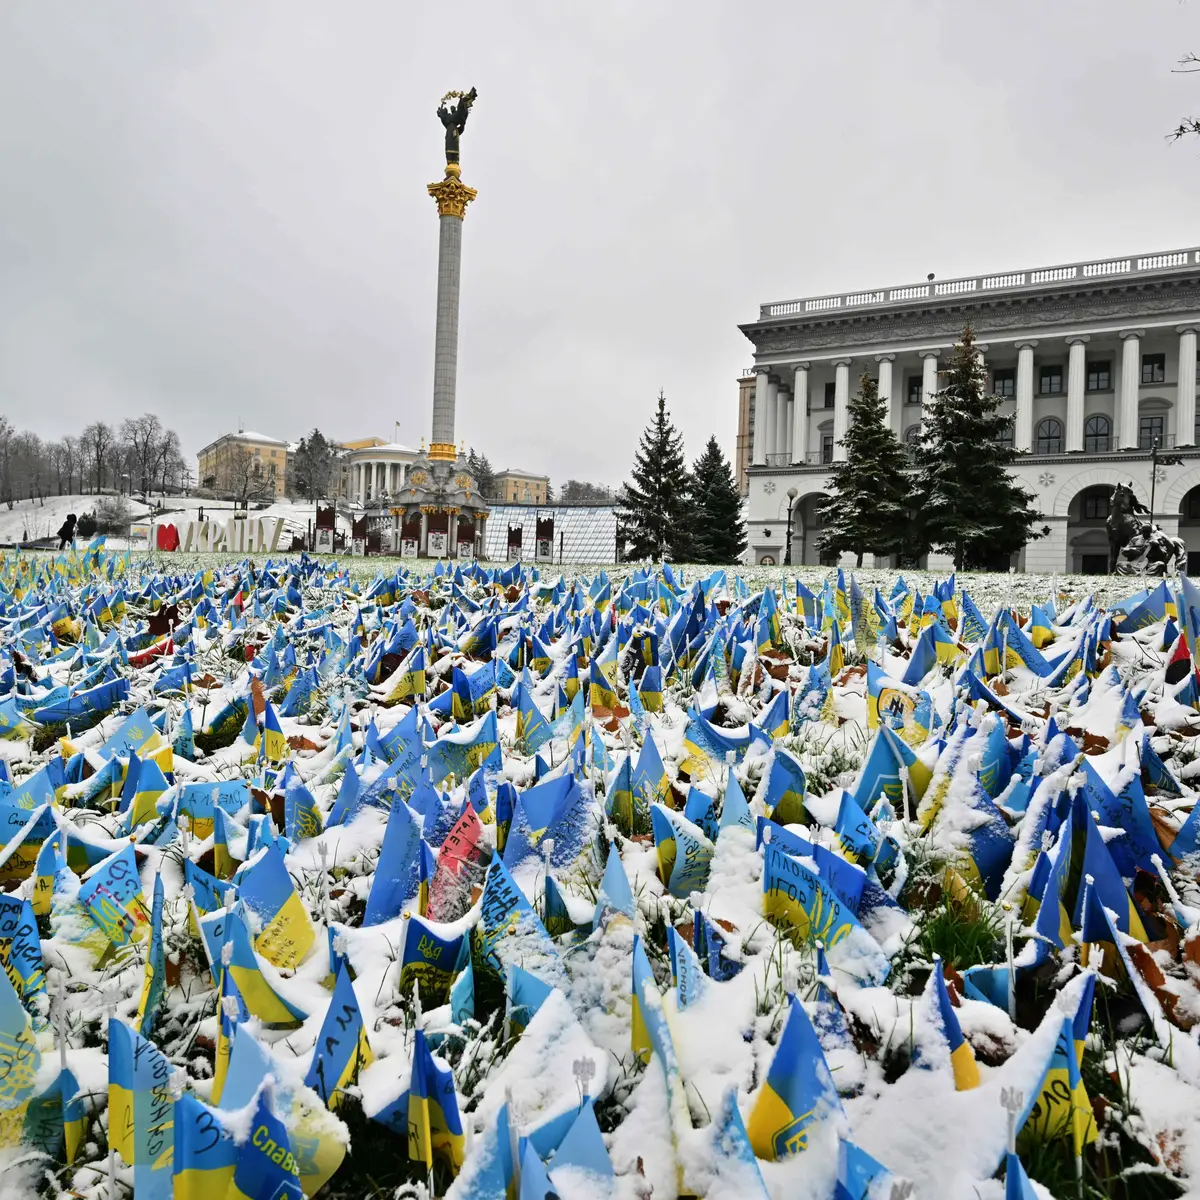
[718, 533]
[653, 509]
[869, 510]
[968, 504]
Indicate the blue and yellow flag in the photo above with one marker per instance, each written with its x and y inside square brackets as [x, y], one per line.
[1060, 1106]
[286, 932]
[342, 1049]
[941, 1009]
[205, 1152]
[154, 983]
[140, 1109]
[798, 1092]
[223, 928]
[905, 710]
[1103, 880]
[649, 689]
[266, 1165]
[397, 873]
[301, 817]
[270, 742]
[434, 1126]
[615, 895]
[112, 896]
[786, 787]
[21, 1059]
[505, 912]
[231, 1011]
[429, 962]
[684, 853]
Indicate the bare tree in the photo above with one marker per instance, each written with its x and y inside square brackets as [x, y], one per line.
[98, 442]
[72, 463]
[240, 474]
[143, 436]
[1189, 64]
[6, 439]
[167, 457]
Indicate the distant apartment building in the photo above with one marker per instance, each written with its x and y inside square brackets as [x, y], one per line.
[520, 487]
[244, 465]
[744, 451]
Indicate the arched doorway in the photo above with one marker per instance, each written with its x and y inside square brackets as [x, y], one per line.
[806, 528]
[1087, 536]
[1189, 528]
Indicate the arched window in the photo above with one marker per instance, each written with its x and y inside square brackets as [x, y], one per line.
[912, 435]
[1097, 434]
[1049, 436]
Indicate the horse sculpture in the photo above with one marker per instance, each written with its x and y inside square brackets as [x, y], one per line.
[1137, 546]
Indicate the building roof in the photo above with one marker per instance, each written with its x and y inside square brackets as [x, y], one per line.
[974, 287]
[248, 435]
[243, 435]
[519, 474]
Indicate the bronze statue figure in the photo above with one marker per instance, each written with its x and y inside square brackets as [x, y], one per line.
[1137, 546]
[455, 120]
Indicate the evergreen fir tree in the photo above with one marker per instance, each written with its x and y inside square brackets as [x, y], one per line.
[968, 503]
[869, 510]
[719, 533]
[484, 476]
[653, 510]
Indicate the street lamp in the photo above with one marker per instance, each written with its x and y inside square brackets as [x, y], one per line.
[1167, 460]
[787, 553]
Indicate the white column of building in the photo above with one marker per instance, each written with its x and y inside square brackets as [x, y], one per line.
[841, 406]
[1076, 385]
[1023, 425]
[759, 454]
[929, 372]
[786, 430]
[783, 432]
[1185, 402]
[772, 411]
[887, 391]
[360, 482]
[1131, 378]
[800, 414]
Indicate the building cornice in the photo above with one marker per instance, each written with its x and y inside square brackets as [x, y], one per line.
[1169, 302]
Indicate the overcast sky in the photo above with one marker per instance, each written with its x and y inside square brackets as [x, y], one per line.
[216, 210]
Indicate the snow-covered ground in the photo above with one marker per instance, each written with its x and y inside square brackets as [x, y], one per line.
[996, 783]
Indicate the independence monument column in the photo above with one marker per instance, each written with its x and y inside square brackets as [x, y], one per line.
[452, 197]
[439, 511]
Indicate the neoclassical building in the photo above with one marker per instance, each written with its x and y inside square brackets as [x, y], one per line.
[1096, 362]
[371, 469]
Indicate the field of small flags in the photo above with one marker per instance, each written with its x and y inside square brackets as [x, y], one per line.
[472, 881]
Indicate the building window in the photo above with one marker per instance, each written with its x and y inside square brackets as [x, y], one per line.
[1150, 432]
[1050, 381]
[830, 394]
[1005, 436]
[914, 389]
[1099, 377]
[1193, 504]
[912, 436]
[1097, 434]
[1154, 368]
[827, 447]
[1004, 381]
[1050, 436]
[1095, 505]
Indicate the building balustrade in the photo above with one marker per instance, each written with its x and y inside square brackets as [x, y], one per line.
[1007, 282]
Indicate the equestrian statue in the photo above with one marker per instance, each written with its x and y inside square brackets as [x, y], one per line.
[1137, 546]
